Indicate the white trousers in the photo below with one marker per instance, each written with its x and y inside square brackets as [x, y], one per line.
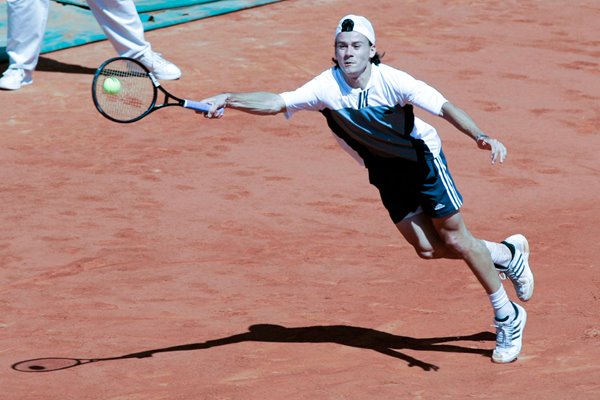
[122, 25]
[27, 20]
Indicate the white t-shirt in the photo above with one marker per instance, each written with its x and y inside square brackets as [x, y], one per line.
[368, 116]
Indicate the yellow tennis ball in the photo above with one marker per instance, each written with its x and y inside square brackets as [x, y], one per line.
[112, 85]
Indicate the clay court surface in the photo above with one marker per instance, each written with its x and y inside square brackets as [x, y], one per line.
[249, 258]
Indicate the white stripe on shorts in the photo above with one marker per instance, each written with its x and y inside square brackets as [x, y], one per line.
[448, 184]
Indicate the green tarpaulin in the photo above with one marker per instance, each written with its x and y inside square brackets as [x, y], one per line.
[70, 22]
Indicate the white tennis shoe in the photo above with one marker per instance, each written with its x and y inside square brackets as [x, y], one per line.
[509, 336]
[161, 68]
[14, 79]
[518, 270]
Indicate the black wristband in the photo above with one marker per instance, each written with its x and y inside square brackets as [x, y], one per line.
[481, 137]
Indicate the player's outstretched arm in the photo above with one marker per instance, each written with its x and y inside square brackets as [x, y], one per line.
[259, 103]
[464, 123]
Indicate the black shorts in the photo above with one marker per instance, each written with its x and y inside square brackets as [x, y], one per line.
[406, 186]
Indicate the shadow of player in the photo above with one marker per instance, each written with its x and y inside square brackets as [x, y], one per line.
[362, 338]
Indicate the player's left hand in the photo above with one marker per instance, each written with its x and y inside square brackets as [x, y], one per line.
[497, 149]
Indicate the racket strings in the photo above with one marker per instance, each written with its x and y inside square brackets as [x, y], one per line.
[130, 93]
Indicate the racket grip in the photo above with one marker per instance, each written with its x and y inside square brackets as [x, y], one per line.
[199, 106]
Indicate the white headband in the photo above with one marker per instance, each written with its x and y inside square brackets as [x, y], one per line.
[361, 25]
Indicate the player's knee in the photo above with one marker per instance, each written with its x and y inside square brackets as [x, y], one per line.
[426, 248]
[457, 244]
[426, 255]
[430, 253]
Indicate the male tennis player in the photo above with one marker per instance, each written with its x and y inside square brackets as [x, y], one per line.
[369, 107]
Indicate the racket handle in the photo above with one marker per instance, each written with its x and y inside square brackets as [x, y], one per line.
[199, 106]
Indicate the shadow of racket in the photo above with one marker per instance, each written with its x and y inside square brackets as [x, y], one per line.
[50, 364]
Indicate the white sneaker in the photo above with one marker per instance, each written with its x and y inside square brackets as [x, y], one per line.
[509, 336]
[161, 68]
[518, 270]
[14, 78]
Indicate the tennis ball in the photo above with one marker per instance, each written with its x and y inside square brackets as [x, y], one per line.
[112, 85]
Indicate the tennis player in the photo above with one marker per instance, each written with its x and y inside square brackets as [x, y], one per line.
[369, 107]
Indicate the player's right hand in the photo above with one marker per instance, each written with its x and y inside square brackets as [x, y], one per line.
[217, 108]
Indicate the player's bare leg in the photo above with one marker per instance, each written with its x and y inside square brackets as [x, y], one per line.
[419, 231]
[459, 241]
[449, 238]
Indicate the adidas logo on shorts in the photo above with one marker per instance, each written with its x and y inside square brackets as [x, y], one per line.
[439, 206]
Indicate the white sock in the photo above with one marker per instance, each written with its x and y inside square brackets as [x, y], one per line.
[503, 308]
[501, 255]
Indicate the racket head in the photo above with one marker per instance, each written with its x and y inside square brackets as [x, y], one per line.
[49, 364]
[131, 97]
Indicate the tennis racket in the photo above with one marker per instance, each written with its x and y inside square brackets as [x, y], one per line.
[125, 91]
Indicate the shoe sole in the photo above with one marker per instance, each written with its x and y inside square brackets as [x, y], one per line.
[166, 77]
[16, 87]
[525, 251]
[513, 359]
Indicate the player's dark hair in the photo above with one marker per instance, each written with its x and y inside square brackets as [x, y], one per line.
[348, 26]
